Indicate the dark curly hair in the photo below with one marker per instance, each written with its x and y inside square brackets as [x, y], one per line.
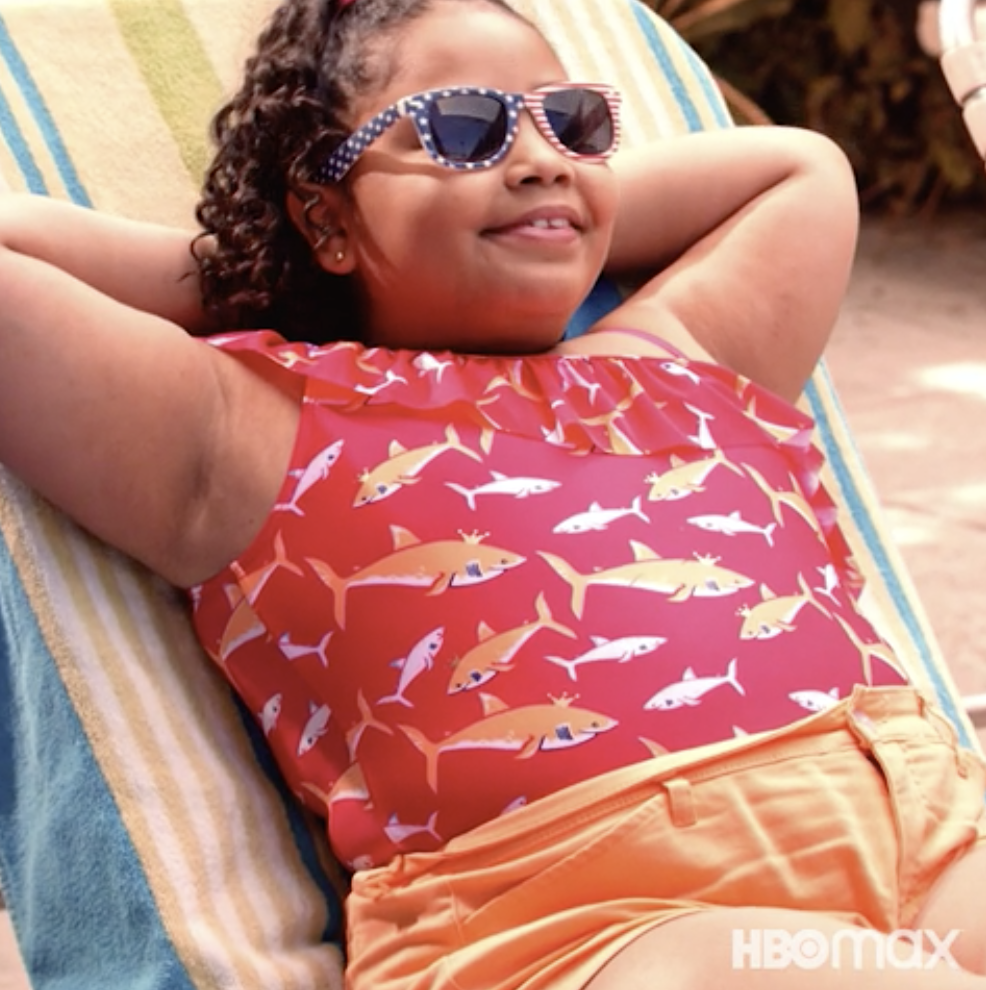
[312, 59]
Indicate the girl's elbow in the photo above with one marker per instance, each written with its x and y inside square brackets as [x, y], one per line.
[828, 173]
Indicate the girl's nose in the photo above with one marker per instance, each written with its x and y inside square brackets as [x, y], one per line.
[533, 159]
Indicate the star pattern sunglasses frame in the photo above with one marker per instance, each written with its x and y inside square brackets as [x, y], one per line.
[419, 107]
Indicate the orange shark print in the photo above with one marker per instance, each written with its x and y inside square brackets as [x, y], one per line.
[512, 382]
[780, 432]
[295, 355]
[253, 582]
[367, 721]
[529, 730]
[676, 578]
[404, 467]
[243, 624]
[685, 478]
[775, 615]
[655, 749]
[496, 652]
[437, 566]
[351, 786]
[619, 441]
[869, 651]
[793, 499]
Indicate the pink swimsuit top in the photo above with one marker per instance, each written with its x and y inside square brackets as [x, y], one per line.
[487, 578]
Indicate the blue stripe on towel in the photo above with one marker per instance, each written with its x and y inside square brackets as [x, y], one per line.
[710, 90]
[45, 122]
[15, 140]
[51, 858]
[852, 501]
[669, 70]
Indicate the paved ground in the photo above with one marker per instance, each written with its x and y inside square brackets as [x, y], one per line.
[909, 360]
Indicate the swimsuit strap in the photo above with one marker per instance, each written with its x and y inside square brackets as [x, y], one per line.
[651, 339]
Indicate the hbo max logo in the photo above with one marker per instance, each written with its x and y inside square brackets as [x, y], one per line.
[848, 948]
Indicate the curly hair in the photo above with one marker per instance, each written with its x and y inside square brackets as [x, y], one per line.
[256, 268]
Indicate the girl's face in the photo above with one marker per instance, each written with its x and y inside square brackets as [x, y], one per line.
[452, 260]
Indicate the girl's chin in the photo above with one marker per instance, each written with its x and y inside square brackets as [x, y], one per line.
[532, 336]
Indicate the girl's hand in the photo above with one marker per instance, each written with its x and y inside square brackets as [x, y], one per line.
[145, 266]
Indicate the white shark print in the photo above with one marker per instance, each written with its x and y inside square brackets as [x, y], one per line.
[502, 485]
[691, 689]
[815, 701]
[704, 436]
[674, 368]
[420, 657]
[732, 525]
[294, 651]
[566, 366]
[596, 518]
[429, 364]
[270, 713]
[610, 650]
[389, 378]
[316, 727]
[317, 470]
[398, 832]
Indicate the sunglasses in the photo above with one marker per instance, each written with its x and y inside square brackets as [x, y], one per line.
[472, 127]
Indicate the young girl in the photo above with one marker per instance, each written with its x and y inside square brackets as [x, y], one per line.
[558, 635]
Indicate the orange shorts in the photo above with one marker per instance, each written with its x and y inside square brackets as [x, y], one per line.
[854, 812]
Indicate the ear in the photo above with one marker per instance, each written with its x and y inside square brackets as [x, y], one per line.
[321, 216]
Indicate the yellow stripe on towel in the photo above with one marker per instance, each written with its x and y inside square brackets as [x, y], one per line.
[177, 71]
[119, 145]
[190, 793]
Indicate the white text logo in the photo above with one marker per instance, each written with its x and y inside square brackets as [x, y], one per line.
[848, 948]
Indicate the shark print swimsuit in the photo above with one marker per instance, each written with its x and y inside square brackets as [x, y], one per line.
[488, 578]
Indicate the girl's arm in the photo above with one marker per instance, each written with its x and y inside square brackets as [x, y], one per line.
[752, 232]
[158, 443]
[146, 266]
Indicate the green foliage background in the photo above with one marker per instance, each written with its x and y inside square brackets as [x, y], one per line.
[852, 69]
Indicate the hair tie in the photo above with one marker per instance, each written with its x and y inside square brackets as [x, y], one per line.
[343, 4]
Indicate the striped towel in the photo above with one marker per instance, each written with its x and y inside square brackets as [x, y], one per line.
[143, 844]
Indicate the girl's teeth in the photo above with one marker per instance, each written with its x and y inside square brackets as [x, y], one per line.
[550, 224]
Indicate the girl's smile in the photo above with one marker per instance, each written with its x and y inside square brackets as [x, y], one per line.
[559, 225]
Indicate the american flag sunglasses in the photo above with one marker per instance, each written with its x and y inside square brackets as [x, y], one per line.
[473, 127]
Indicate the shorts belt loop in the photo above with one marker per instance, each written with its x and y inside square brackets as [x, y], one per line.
[681, 802]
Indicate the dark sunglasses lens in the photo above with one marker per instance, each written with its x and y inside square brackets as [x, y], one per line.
[468, 128]
[581, 120]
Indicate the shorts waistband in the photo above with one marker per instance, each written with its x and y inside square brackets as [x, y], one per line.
[862, 720]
